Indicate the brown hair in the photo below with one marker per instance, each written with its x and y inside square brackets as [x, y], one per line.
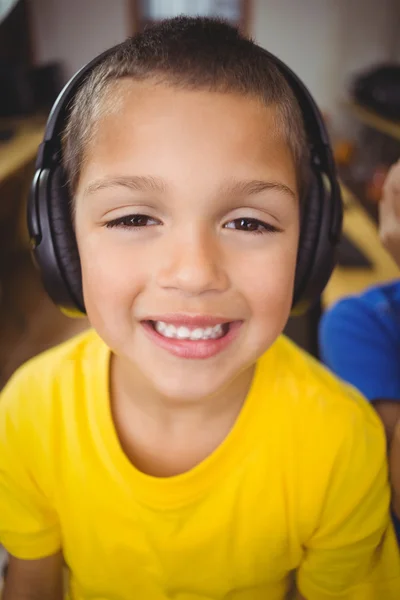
[188, 53]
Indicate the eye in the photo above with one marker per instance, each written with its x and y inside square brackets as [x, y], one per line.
[133, 222]
[251, 226]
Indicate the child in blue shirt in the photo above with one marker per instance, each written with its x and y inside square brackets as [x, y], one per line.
[360, 335]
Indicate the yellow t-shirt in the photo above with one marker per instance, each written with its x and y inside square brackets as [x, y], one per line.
[298, 486]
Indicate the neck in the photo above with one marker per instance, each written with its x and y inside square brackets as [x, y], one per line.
[164, 436]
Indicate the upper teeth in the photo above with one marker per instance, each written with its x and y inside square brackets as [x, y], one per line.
[184, 333]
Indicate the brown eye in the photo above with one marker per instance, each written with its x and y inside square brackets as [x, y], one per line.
[251, 226]
[133, 222]
[139, 221]
[248, 225]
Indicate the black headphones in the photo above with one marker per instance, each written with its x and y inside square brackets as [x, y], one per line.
[49, 215]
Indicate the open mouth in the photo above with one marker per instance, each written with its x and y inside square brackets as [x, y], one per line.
[195, 334]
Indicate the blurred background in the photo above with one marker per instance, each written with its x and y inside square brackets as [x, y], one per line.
[346, 51]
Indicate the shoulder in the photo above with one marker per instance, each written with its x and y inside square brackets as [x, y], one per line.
[378, 309]
[360, 340]
[45, 379]
[318, 399]
[326, 426]
[44, 409]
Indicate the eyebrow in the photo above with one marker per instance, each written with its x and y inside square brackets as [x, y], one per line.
[257, 186]
[142, 183]
[137, 183]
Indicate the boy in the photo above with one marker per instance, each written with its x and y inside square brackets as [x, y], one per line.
[183, 449]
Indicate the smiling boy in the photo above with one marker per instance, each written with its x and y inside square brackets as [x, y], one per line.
[182, 448]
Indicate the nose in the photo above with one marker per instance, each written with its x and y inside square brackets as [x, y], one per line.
[193, 264]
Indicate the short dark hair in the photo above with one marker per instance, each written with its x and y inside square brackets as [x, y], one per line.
[187, 53]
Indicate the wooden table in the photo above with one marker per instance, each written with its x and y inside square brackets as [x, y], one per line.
[361, 229]
[21, 149]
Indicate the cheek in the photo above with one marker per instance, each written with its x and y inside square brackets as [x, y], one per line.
[111, 277]
[267, 282]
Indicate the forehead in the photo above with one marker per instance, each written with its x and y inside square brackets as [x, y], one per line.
[153, 128]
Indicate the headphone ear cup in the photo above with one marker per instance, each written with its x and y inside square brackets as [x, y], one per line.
[315, 258]
[64, 241]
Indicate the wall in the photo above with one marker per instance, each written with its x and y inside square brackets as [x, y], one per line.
[75, 31]
[324, 41]
[327, 41]
[396, 28]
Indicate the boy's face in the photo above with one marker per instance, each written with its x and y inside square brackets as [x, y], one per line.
[187, 222]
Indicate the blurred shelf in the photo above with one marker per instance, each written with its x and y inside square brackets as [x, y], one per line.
[375, 121]
[358, 191]
[362, 230]
[18, 151]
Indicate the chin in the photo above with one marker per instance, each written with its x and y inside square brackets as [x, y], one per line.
[189, 385]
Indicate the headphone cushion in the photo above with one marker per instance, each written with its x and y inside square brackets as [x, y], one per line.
[63, 235]
[310, 231]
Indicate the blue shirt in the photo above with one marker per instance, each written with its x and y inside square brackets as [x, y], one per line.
[360, 341]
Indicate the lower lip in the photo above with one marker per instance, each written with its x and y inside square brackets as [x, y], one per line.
[196, 349]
